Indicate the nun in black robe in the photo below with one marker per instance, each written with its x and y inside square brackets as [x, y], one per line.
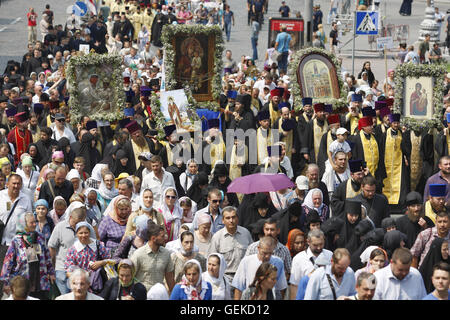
[69, 154]
[221, 170]
[290, 218]
[392, 240]
[352, 210]
[331, 228]
[89, 152]
[198, 191]
[372, 238]
[118, 167]
[433, 257]
[251, 214]
[361, 229]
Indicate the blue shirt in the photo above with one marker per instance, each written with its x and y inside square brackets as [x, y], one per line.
[302, 288]
[227, 17]
[318, 287]
[179, 294]
[432, 297]
[283, 40]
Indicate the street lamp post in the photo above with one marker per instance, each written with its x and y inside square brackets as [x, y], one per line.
[308, 16]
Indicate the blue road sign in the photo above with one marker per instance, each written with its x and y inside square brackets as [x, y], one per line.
[367, 22]
[80, 8]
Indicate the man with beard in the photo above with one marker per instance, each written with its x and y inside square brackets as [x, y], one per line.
[334, 177]
[413, 221]
[334, 280]
[366, 146]
[20, 137]
[303, 262]
[349, 188]
[393, 156]
[33, 127]
[152, 261]
[213, 146]
[125, 27]
[312, 173]
[264, 135]
[326, 140]
[303, 120]
[10, 120]
[436, 201]
[376, 204]
[44, 146]
[57, 186]
[273, 104]
[441, 177]
[382, 127]
[171, 147]
[287, 132]
[92, 127]
[119, 140]
[157, 25]
[137, 145]
[229, 108]
[51, 108]
[317, 127]
[242, 117]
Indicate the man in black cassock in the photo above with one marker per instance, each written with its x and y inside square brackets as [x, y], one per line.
[441, 145]
[242, 116]
[414, 220]
[317, 127]
[384, 125]
[376, 204]
[288, 126]
[303, 120]
[348, 188]
[334, 123]
[158, 22]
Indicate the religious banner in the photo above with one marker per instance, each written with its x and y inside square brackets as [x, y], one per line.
[419, 94]
[314, 73]
[194, 60]
[174, 106]
[94, 83]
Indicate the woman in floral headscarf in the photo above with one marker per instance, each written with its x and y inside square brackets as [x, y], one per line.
[125, 286]
[314, 201]
[28, 256]
[191, 286]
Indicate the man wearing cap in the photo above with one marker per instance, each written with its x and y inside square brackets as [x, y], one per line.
[383, 123]
[264, 136]
[92, 127]
[51, 108]
[414, 220]
[334, 123]
[349, 188]
[366, 145]
[352, 117]
[302, 187]
[393, 157]
[441, 177]
[137, 145]
[287, 130]
[317, 128]
[20, 136]
[10, 120]
[61, 130]
[436, 201]
[272, 104]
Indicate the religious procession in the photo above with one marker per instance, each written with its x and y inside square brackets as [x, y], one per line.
[140, 160]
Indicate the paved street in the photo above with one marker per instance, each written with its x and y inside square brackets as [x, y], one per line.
[13, 30]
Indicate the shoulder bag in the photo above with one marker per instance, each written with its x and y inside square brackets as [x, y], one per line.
[98, 277]
[3, 225]
[331, 286]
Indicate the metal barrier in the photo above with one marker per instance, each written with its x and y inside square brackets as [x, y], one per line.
[398, 33]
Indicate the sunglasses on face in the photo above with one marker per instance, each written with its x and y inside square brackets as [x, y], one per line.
[216, 201]
[171, 197]
[61, 120]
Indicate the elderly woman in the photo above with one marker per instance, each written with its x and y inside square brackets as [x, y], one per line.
[74, 177]
[86, 253]
[107, 190]
[113, 225]
[79, 284]
[45, 224]
[130, 243]
[172, 213]
[221, 288]
[125, 286]
[314, 201]
[28, 256]
[29, 177]
[92, 204]
[191, 286]
[185, 253]
[145, 208]
[203, 235]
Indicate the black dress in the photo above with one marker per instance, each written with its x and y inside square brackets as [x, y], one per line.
[112, 290]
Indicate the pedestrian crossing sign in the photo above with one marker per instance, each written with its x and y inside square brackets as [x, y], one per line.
[366, 22]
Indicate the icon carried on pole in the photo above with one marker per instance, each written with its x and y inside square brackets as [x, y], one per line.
[367, 22]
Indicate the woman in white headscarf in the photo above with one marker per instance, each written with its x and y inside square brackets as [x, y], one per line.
[314, 201]
[172, 213]
[145, 208]
[221, 288]
[187, 177]
[107, 190]
[158, 292]
[191, 286]
[74, 177]
[189, 209]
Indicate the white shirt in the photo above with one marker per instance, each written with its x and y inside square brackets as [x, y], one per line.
[390, 288]
[67, 133]
[29, 184]
[248, 266]
[260, 84]
[319, 287]
[23, 205]
[157, 186]
[70, 296]
[286, 164]
[302, 265]
[28, 298]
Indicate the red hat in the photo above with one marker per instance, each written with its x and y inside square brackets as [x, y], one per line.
[365, 122]
[126, 79]
[21, 117]
[275, 93]
[389, 102]
[319, 107]
[133, 126]
[142, 4]
[333, 118]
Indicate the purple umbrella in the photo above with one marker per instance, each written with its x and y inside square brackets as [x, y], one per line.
[260, 182]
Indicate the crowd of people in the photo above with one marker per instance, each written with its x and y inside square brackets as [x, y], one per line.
[93, 211]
